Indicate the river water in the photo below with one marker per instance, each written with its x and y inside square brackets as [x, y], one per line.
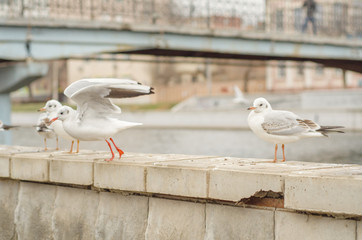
[337, 148]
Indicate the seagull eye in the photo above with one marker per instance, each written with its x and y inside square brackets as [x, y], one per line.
[61, 113]
[260, 104]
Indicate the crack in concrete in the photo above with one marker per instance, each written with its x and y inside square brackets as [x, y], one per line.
[148, 215]
[264, 198]
[274, 237]
[356, 231]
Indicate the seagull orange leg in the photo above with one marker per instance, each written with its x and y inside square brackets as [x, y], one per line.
[57, 144]
[118, 149]
[77, 146]
[110, 147]
[283, 153]
[45, 144]
[71, 147]
[275, 154]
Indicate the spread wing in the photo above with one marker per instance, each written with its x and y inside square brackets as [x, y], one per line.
[286, 123]
[92, 95]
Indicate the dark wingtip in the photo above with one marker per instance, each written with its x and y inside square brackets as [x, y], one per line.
[330, 129]
[152, 90]
[7, 127]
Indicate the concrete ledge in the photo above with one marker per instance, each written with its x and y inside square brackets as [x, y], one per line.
[332, 189]
[45, 211]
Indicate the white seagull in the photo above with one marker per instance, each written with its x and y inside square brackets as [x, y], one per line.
[97, 118]
[52, 107]
[239, 96]
[5, 126]
[281, 127]
[44, 129]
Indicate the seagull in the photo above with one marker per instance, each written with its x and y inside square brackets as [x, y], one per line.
[51, 108]
[97, 118]
[5, 126]
[239, 96]
[44, 130]
[281, 127]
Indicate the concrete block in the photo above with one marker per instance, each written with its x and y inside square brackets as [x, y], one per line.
[359, 230]
[5, 155]
[5, 165]
[233, 182]
[177, 181]
[171, 219]
[72, 171]
[235, 185]
[8, 200]
[115, 175]
[121, 217]
[296, 226]
[30, 166]
[337, 190]
[227, 222]
[33, 214]
[75, 214]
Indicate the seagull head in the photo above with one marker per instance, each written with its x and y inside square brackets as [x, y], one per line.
[63, 113]
[51, 106]
[260, 105]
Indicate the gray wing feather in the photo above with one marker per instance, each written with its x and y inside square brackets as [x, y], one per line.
[284, 123]
[92, 95]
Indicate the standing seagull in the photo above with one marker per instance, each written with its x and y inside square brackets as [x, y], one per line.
[44, 130]
[5, 127]
[52, 107]
[281, 127]
[97, 118]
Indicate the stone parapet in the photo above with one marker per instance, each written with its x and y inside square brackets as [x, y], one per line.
[57, 195]
[304, 186]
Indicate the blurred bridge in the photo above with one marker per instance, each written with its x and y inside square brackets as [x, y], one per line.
[239, 29]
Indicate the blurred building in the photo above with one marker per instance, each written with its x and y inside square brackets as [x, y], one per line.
[174, 78]
[298, 76]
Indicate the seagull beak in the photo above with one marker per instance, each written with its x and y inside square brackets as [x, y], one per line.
[251, 108]
[41, 110]
[53, 120]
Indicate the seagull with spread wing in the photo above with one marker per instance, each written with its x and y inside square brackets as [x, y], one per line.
[97, 118]
[281, 127]
[5, 126]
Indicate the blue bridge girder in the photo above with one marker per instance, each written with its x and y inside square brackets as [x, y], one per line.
[46, 41]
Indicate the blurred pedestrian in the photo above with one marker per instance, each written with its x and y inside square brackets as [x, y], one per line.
[310, 6]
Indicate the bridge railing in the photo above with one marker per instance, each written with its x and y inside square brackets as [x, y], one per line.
[332, 18]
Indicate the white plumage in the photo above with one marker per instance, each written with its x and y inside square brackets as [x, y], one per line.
[281, 127]
[52, 107]
[97, 118]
